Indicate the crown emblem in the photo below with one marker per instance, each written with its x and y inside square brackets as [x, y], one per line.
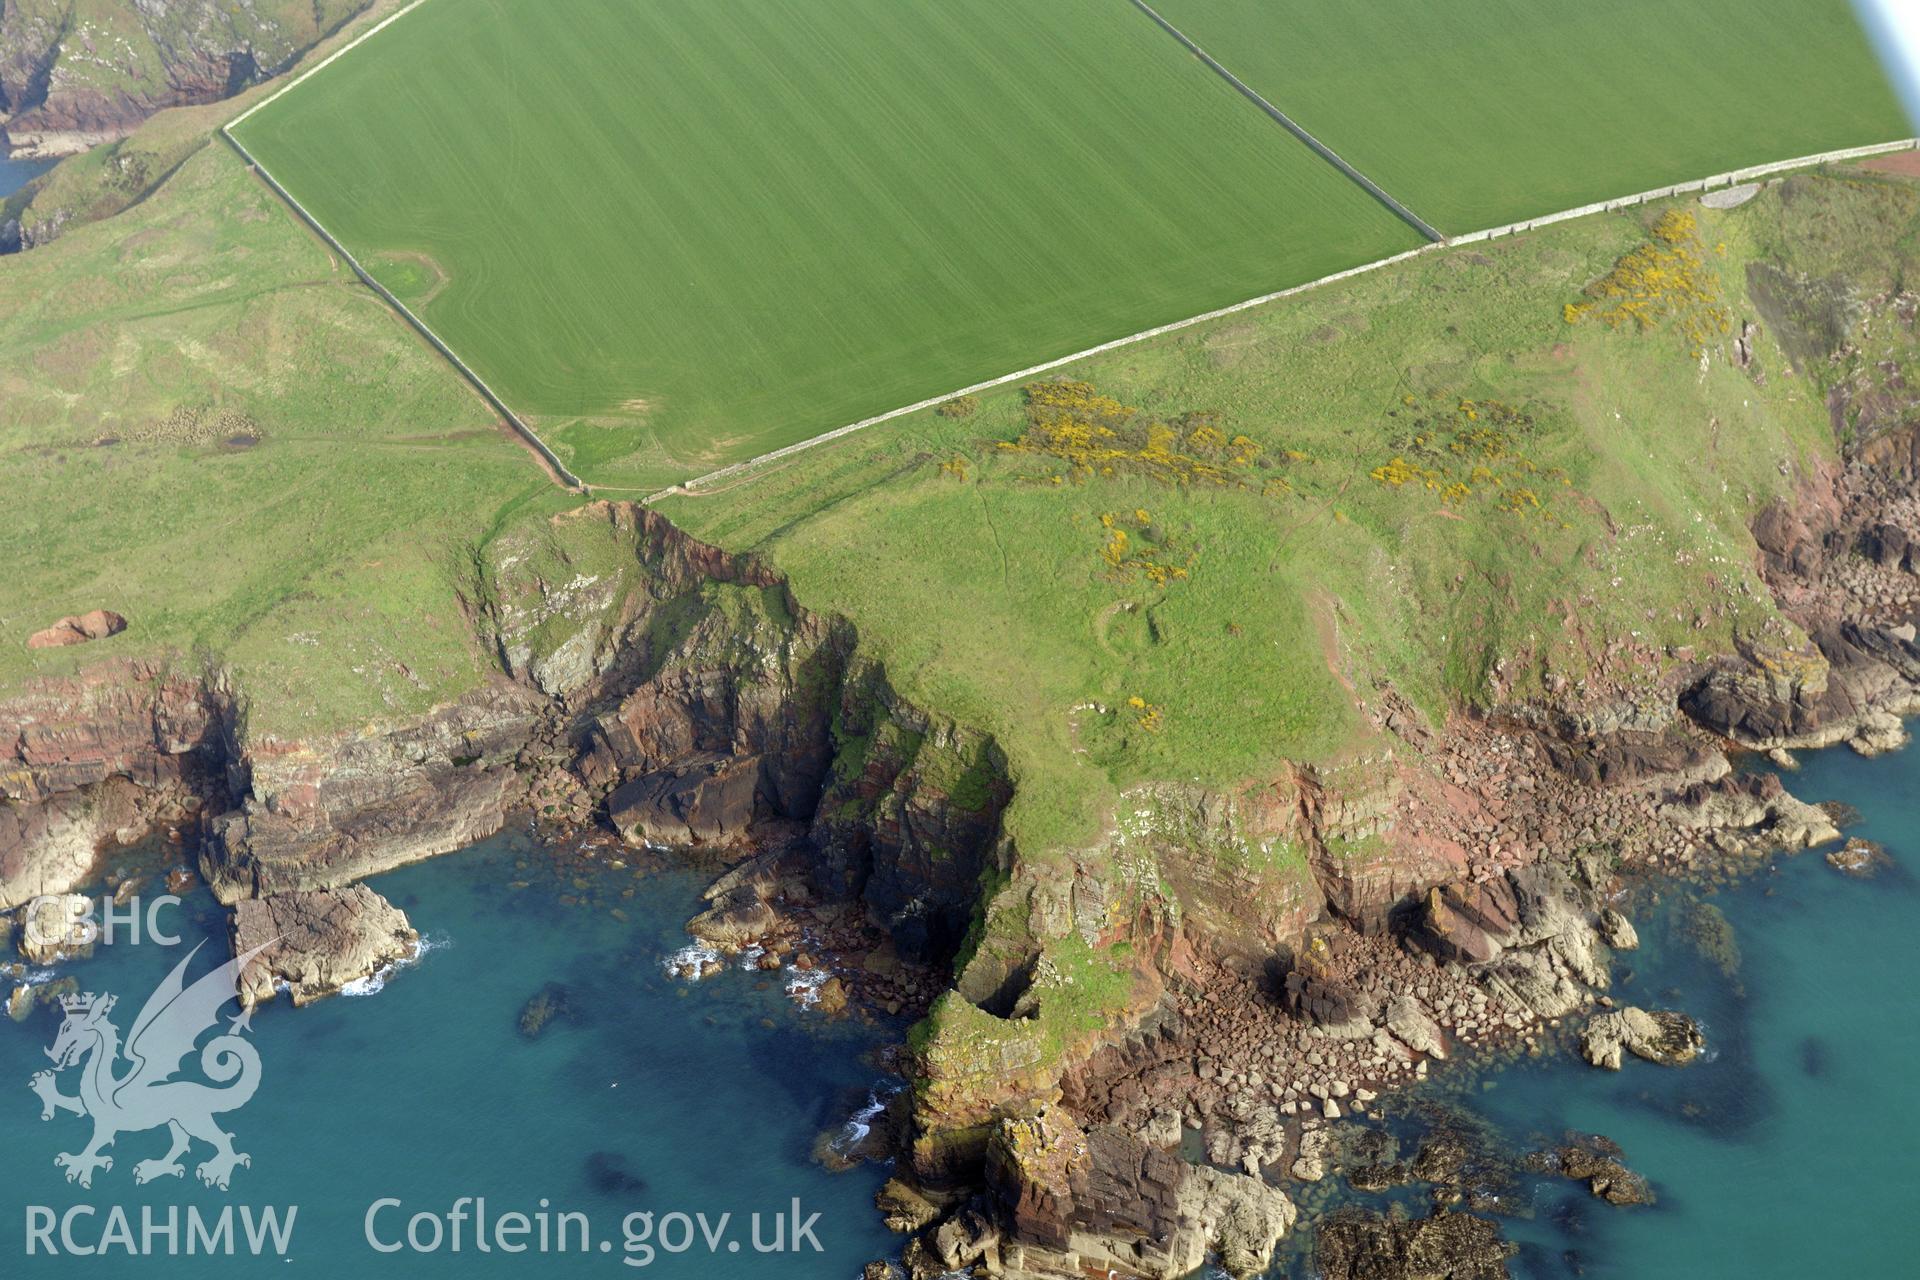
[85, 1003]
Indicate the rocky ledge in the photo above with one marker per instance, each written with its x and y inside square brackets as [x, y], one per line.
[69, 81]
[317, 943]
[1294, 948]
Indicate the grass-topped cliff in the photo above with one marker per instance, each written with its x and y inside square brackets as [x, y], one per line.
[73, 71]
[1522, 471]
[211, 429]
[1194, 560]
[1178, 596]
[120, 86]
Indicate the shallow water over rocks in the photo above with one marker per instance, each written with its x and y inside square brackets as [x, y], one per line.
[651, 1094]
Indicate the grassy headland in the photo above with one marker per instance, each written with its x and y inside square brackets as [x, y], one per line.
[1520, 470]
[210, 427]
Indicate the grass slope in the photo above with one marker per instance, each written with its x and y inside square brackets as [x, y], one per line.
[318, 563]
[981, 574]
[680, 234]
[1477, 113]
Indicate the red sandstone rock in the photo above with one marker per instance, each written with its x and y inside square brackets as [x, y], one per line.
[96, 624]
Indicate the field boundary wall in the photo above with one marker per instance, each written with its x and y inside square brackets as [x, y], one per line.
[708, 481]
[1732, 178]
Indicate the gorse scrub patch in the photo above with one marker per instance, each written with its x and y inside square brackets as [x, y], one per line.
[1665, 279]
[1136, 547]
[1091, 434]
[1474, 449]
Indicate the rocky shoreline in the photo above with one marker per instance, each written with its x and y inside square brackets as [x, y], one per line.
[1459, 894]
[69, 82]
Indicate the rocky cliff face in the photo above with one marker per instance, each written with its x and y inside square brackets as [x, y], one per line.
[1240, 963]
[74, 73]
[1449, 892]
[677, 691]
[695, 699]
[104, 756]
[1842, 562]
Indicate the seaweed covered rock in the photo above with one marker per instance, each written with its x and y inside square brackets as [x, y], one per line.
[1355, 1244]
[1666, 1037]
[1597, 1161]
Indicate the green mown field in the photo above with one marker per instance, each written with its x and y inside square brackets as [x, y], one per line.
[1477, 113]
[1606, 477]
[678, 234]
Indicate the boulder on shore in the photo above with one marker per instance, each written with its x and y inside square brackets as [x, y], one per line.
[1408, 1023]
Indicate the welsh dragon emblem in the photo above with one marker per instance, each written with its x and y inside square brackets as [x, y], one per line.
[129, 1088]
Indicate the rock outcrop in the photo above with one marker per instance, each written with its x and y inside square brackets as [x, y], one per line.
[1532, 935]
[1087, 1201]
[55, 928]
[322, 814]
[79, 73]
[1861, 859]
[1597, 1161]
[104, 756]
[1664, 1037]
[96, 624]
[318, 942]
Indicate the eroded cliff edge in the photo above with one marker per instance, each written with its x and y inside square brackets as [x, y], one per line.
[1244, 964]
[76, 73]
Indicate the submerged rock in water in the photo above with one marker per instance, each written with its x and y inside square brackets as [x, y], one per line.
[1597, 1161]
[1355, 1244]
[1862, 859]
[1465, 1156]
[1706, 929]
[318, 942]
[1666, 1037]
[608, 1174]
[548, 1003]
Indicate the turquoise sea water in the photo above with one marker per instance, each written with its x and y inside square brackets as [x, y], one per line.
[1788, 1152]
[1792, 1151]
[656, 1095]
